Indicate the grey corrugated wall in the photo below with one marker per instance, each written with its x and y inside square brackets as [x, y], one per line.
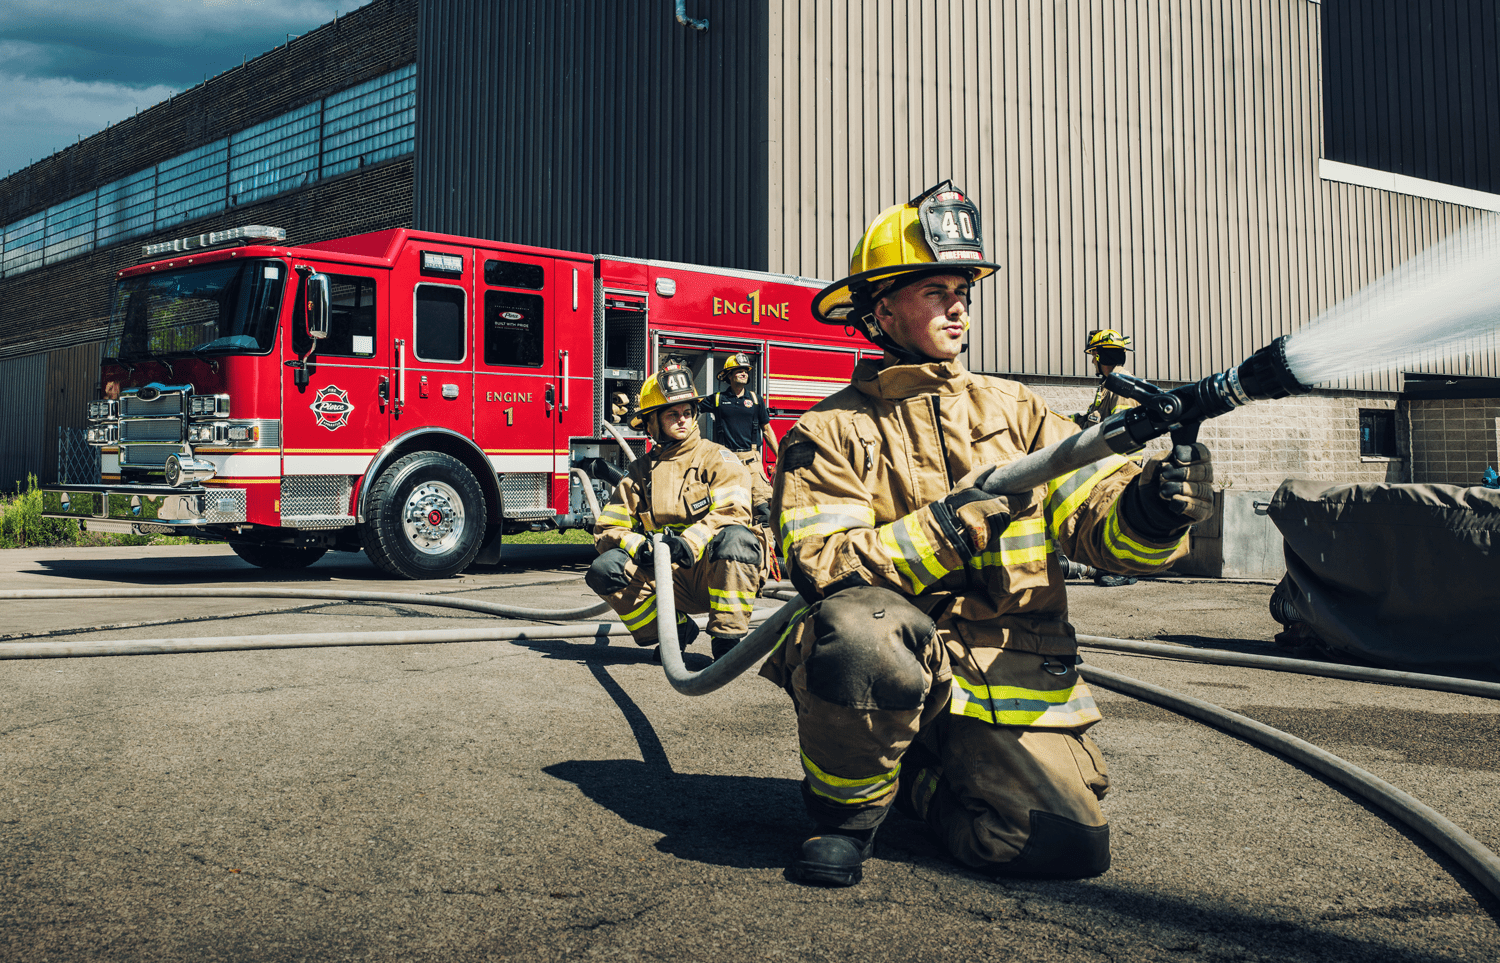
[23, 382]
[596, 125]
[1149, 165]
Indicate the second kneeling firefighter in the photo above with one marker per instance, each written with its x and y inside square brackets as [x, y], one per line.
[698, 494]
[934, 670]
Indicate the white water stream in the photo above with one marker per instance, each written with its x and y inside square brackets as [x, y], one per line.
[1437, 306]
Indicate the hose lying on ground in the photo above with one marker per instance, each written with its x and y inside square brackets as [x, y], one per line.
[1471, 854]
[1415, 680]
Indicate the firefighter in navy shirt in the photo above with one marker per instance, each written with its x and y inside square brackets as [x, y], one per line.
[742, 424]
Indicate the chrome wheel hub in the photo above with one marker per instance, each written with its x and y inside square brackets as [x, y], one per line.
[433, 518]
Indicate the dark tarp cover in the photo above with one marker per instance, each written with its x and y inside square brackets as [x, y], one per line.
[1399, 575]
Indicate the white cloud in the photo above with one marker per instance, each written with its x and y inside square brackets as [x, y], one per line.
[42, 115]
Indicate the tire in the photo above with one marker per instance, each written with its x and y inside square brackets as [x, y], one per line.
[426, 517]
[277, 556]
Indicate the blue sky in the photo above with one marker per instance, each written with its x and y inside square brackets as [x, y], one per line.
[70, 67]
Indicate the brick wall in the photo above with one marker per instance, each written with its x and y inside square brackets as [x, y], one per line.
[1455, 439]
[366, 43]
[1257, 447]
[68, 302]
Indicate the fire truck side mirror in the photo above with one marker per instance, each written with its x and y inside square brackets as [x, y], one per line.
[317, 306]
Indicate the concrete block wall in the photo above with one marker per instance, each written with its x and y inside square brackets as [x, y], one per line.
[1453, 440]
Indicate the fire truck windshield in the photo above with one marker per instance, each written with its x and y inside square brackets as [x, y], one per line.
[223, 308]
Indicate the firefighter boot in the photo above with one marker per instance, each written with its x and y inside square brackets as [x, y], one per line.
[721, 644]
[834, 858]
[687, 631]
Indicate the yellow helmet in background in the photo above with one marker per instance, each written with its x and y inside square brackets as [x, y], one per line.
[739, 361]
[672, 385]
[936, 232]
[1107, 338]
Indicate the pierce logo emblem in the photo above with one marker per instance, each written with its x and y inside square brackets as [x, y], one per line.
[331, 407]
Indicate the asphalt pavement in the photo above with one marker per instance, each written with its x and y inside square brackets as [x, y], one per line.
[557, 800]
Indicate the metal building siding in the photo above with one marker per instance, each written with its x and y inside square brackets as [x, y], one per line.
[1414, 88]
[595, 125]
[72, 382]
[23, 381]
[1149, 165]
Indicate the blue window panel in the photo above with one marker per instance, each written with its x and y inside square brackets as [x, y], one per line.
[274, 156]
[375, 141]
[380, 89]
[23, 244]
[127, 207]
[371, 122]
[192, 185]
[70, 228]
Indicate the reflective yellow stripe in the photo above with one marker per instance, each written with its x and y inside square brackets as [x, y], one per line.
[913, 554]
[728, 600]
[1123, 547]
[728, 495]
[1023, 541]
[615, 515]
[697, 536]
[631, 542]
[848, 791]
[1065, 494]
[640, 616]
[1008, 705]
[822, 520]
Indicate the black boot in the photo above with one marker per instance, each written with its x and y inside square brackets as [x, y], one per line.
[1106, 580]
[687, 631]
[835, 858]
[721, 644]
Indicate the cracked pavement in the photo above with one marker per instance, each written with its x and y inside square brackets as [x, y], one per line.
[556, 800]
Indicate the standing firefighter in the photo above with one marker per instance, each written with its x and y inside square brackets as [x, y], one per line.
[934, 669]
[742, 424]
[698, 494]
[1107, 348]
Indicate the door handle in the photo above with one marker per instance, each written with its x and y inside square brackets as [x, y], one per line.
[564, 379]
[550, 397]
[400, 374]
[384, 390]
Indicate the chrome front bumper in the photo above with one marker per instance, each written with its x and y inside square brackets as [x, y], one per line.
[143, 509]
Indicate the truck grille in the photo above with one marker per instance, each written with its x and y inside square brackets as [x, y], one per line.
[151, 429]
[168, 404]
[146, 456]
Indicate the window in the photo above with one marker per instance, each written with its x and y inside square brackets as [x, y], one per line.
[438, 327]
[514, 274]
[351, 323]
[1377, 433]
[513, 329]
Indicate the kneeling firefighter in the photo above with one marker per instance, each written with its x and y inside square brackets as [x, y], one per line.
[698, 494]
[934, 670]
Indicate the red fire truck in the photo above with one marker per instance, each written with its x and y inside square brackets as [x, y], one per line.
[416, 396]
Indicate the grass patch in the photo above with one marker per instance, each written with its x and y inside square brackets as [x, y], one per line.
[22, 526]
[573, 536]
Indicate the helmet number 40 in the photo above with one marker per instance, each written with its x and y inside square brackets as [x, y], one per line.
[961, 226]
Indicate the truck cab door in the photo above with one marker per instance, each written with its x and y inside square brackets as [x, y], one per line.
[335, 422]
[432, 353]
[519, 395]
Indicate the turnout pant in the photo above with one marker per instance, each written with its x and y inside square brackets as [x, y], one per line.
[723, 583]
[760, 489]
[873, 680]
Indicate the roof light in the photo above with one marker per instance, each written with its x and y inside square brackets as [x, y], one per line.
[235, 235]
[443, 263]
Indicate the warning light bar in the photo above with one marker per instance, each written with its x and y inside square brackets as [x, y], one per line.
[197, 242]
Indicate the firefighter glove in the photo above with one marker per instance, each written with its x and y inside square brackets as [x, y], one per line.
[679, 548]
[1172, 492]
[972, 517]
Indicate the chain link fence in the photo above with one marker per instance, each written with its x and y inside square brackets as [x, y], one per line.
[77, 460]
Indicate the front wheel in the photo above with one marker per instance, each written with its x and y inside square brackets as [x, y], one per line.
[426, 517]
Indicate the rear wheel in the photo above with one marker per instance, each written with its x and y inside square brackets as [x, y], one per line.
[277, 556]
[426, 517]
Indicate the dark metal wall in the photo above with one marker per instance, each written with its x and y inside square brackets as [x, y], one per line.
[1413, 87]
[595, 125]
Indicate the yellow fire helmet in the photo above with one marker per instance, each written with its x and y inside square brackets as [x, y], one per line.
[739, 361]
[1108, 338]
[672, 385]
[936, 232]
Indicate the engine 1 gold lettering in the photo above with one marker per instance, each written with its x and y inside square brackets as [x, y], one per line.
[752, 307]
[512, 396]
